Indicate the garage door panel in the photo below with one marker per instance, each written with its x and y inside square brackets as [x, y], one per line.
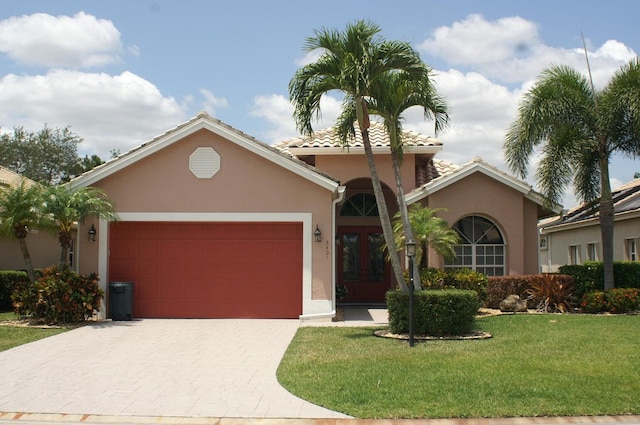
[210, 269]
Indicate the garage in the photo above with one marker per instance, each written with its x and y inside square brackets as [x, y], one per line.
[209, 270]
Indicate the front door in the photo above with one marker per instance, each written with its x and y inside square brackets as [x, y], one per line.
[362, 267]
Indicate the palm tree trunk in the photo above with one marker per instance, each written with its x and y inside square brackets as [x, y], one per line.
[65, 240]
[385, 220]
[404, 214]
[27, 260]
[606, 222]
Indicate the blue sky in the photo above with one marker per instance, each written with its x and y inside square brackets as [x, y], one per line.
[122, 72]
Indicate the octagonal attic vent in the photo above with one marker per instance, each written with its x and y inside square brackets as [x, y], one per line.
[204, 163]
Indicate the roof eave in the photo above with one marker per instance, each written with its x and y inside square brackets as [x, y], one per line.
[180, 132]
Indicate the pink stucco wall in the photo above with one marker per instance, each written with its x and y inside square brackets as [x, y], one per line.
[515, 216]
[246, 182]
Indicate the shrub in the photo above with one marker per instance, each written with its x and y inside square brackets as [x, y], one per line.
[58, 296]
[617, 301]
[436, 312]
[500, 287]
[590, 276]
[593, 302]
[466, 279]
[9, 279]
[622, 300]
[551, 292]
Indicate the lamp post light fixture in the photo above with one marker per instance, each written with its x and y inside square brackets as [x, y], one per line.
[410, 251]
[92, 233]
[317, 234]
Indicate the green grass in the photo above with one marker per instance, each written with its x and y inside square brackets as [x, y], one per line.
[12, 336]
[535, 365]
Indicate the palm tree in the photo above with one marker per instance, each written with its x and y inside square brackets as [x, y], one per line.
[63, 207]
[391, 96]
[429, 230]
[351, 62]
[579, 129]
[20, 211]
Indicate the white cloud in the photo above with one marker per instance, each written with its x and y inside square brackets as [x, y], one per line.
[476, 41]
[510, 50]
[109, 112]
[212, 103]
[277, 111]
[70, 42]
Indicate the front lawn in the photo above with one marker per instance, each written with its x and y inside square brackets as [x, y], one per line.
[535, 365]
[12, 335]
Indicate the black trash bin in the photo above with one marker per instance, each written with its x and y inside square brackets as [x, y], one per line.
[121, 300]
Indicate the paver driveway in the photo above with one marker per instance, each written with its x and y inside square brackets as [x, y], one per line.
[211, 368]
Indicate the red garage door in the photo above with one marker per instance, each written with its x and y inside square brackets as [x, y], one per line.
[209, 270]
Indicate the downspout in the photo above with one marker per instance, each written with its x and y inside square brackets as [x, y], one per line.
[334, 229]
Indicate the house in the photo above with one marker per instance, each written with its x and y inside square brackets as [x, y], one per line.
[43, 246]
[575, 237]
[214, 223]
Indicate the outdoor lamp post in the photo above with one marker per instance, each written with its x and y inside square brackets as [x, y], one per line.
[410, 251]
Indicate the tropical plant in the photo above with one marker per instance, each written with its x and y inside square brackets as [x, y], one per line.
[390, 97]
[352, 62]
[579, 129]
[59, 296]
[552, 292]
[20, 211]
[63, 207]
[428, 230]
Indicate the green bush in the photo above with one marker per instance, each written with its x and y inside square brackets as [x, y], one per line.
[593, 302]
[622, 300]
[616, 301]
[436, 312]
[589, 277]
[9, 280]
[466, 279]
[58, 296]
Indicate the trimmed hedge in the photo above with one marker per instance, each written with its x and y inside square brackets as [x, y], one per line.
[436, 312]
[432, 278]
[589, 277]
[9, 280]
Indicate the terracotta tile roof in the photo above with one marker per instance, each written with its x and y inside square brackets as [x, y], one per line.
[328, 139]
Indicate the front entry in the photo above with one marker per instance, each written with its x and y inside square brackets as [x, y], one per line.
[362, 267]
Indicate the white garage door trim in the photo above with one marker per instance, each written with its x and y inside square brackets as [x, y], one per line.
[310, 308]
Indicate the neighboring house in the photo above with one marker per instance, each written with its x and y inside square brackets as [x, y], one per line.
[43, 246]
[575, 237]
[214, 223]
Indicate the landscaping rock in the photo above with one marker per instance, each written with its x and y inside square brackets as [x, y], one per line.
[513, 303]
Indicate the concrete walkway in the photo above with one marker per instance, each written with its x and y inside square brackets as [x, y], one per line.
[179, 368]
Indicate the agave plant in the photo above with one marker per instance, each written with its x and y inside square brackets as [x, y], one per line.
[552, 292]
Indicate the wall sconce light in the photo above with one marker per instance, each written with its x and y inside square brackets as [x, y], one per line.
[92, 233]
[317, 234]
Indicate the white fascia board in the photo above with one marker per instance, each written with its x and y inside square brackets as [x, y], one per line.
[188, 129]
[462, 173]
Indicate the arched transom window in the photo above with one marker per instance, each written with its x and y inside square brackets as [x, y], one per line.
[360, 205]
[482, 248]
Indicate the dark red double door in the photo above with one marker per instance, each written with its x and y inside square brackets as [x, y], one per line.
[362, 266]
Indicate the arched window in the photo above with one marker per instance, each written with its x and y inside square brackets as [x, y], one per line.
[482, 248]
[360, 205]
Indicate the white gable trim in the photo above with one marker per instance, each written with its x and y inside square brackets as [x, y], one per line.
[201, 122]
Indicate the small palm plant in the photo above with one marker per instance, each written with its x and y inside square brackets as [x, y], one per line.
[552, 292]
